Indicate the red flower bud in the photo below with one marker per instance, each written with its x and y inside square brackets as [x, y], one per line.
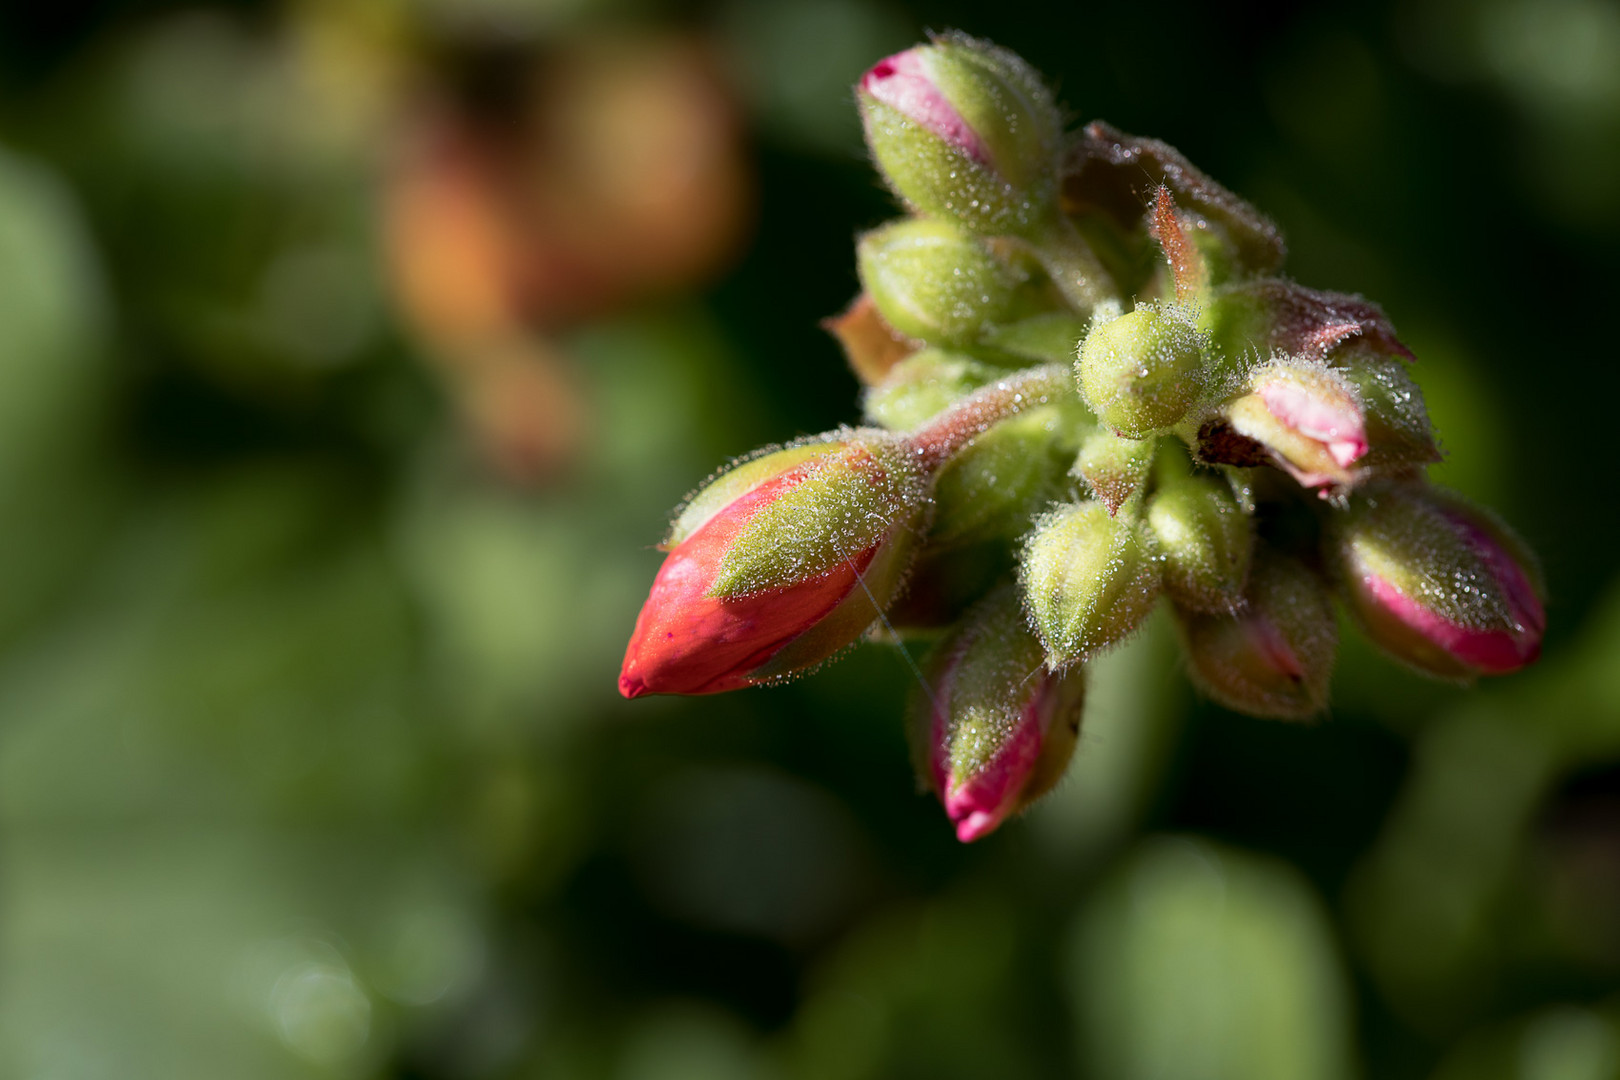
[776, 565]
[1438, 583]
[998, 728]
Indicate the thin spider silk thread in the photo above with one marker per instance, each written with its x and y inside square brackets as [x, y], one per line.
[911, 664]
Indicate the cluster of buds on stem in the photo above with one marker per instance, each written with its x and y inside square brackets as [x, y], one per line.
[1089, 392]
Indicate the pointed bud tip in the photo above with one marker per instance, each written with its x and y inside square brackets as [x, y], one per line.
[996, 730]
[975, 825]
[904, 83]
[1486, 651]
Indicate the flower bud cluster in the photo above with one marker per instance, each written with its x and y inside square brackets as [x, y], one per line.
[1085, 400]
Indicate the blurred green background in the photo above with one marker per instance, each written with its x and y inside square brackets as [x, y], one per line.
[352, 353]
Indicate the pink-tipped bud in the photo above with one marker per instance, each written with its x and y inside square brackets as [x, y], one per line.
[905, 82]
[1308, 420]
[965, 130]
[997, 728]
[777, 564]
[1438, 583]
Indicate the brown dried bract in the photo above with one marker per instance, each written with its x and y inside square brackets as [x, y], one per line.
[1116, 173]
[1310, 322]
[870, 344]
[1219, 444]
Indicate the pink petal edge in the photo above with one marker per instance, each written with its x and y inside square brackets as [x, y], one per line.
[1336, 424]
[1494, 652]
[903, 83]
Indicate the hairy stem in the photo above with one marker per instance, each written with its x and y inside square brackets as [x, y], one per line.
[1074, 268]
[975, 414]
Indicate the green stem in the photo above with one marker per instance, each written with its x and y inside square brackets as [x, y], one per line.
[1073, 267]
[975, 414]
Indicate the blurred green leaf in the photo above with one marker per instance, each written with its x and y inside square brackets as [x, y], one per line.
[1201, 963]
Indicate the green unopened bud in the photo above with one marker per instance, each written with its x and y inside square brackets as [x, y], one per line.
[1141, 372]
[998, 484]
[1205, 539]
[1400, 435]
[1114, 467]
[1089, 579]
[965, 130]
[933, 280]
[923, 384]
[1274, 658]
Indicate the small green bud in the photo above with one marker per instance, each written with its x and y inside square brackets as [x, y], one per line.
[1205, 539]
[962, 129]
[926, 382]
[1114, 467]
[1141, 372]
[1273, 658]
[933, 280]
[998, 484]
[1089, 579]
